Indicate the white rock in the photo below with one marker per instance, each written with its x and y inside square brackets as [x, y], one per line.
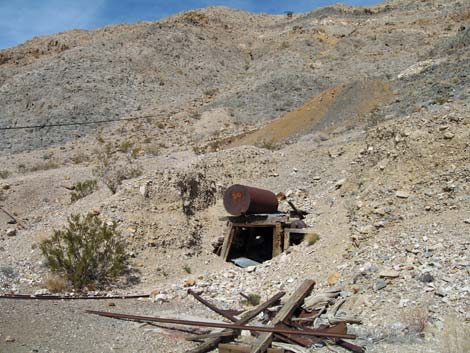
[144, 189]
[11, 232]
[402, 194]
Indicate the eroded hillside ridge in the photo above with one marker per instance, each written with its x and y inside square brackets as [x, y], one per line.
[258, 67]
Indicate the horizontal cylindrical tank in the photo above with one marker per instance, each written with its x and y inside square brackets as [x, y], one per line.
[241, 199]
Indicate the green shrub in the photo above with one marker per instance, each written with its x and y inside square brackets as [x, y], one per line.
[187, 269]
[86, 252]
[441, 100]
[252, 299]
[125, 146]
[82, 189]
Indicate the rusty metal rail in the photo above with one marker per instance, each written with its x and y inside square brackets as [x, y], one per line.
[77, 297]
[219, 325]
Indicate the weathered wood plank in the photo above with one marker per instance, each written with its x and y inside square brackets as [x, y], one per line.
[277, 240]
[227, 243]
[299, 230]
[265, 340]
[286, 239]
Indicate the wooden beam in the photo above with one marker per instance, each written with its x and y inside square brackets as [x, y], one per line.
[265, 339]
[227, 243]
[299, 230]
[246, 317]
[243, 348]
[277, 240]
[286, 239]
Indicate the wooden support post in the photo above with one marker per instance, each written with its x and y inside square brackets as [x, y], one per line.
[286, 239]
[277, 240]
[228, 243]
[265, 339]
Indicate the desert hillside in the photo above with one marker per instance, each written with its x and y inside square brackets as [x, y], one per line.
[359, 115]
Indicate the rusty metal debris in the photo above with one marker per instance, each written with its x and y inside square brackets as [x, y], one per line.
[70, 297]
[217, 325]
[288, 325]
[241, 200]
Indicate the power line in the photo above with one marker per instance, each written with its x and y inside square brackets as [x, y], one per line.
[71, 123]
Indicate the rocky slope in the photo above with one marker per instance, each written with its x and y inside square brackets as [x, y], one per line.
[360, 115]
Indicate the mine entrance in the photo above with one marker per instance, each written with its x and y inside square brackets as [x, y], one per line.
[252, 242]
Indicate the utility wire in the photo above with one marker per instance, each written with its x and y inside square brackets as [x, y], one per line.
[4, 128]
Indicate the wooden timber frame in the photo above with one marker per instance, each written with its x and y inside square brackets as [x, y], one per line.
[276, 221]
[279, 222]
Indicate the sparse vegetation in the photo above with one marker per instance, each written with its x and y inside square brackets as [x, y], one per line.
[86, 252]
[268, 144]
[211, 92]
[113, 171]
[79, 158]
[196, 18]
[251, 299]
[152, 149]
[125, 146]
[82, 189]
[187, 269]
[55, 283]
[22, 168]
[311, 238]
[441, 100]
[114, 175]
[416, 320]
[196, 191]
[4, 174]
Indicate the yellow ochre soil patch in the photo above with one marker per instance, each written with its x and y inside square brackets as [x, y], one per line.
[332, 107]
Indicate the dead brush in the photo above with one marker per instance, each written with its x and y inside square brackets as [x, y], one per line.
[83, 189]
[268, 144]
[416, 320]
[311, 238]
[56, 284]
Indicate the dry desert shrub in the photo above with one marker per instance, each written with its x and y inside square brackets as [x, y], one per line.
[416, 320]
[311, 238]
[82, 189]
[112, 171]
[55, 283]
[87, 252]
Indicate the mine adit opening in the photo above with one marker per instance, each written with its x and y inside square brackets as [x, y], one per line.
[252, 242]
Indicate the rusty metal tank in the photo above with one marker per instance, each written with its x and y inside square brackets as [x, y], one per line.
[241, 199]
